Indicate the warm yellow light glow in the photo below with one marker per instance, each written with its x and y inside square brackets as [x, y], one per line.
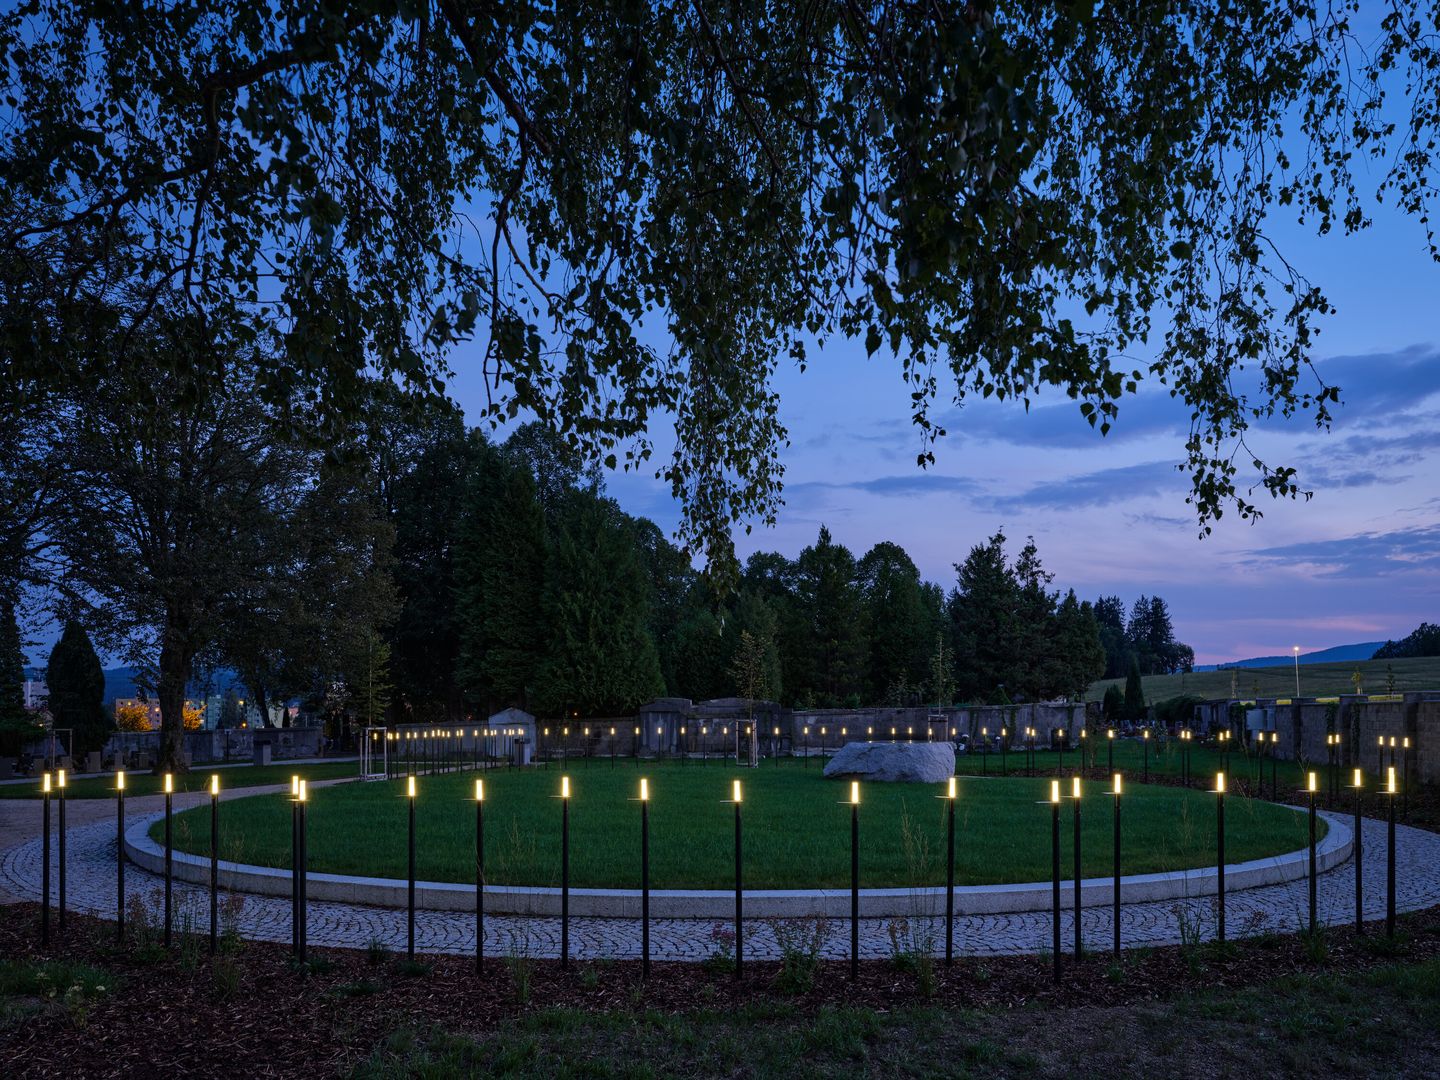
[565, 787]
[854, 792]
[119, 781]
[301, 794]
[1054, 791]
[1075, 787]
[410, 786]
[644, 789]
[169, 783]
[1110, 734]
[214, 783]
[1145, 734]
[479, 790]
[1117, 783]
[1390, 780]
[294, 786]
[737, 791]
[1392, 742]
[1082, 733]
[1313, 783]
[950, 793]
[1404, 743]
[1359, 779]
[1220, 783]
[45, 784]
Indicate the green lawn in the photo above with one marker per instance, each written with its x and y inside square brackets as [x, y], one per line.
[797, 830]
[198, 779]
[1165, 760]
[1316, 680]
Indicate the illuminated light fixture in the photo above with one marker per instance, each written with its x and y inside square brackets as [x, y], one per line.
[1054, 791]
[45, 783]
[479, 790]
[410, 786]
[1110, 734]
[301, 794]
[736, 791]
[1390, 785]
[1359, 779]
[294, 786]
[1117, 789]
[565, 787]
[120, 781]
[1075, 787]
[60, 779]
[170, 783]
[1220, 783]
[644, 789]
[854, 792]
[214, 783]
[950, 792]
[1312, 783]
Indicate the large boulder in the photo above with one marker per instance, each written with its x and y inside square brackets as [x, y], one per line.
[916, 763]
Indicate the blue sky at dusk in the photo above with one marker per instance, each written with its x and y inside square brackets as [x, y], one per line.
[1359, 561]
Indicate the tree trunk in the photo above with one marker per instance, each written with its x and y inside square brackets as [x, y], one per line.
[175, 663]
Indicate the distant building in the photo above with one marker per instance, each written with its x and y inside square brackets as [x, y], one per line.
[152, 709]
[36, 694]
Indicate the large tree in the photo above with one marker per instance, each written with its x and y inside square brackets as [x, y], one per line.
[169, 480]
[827, 604]
[76, 685]
[1003, 196]
[899, 637]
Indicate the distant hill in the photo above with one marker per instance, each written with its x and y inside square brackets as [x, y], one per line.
[120, 682]
[1361, 650]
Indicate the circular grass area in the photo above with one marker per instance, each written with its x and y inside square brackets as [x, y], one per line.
[796, 829]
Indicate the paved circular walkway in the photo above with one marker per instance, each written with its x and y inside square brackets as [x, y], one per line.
[91, 889]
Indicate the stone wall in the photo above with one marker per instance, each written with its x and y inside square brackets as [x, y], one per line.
[1361, 722]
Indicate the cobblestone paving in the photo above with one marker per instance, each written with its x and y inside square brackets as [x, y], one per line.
[91, 889]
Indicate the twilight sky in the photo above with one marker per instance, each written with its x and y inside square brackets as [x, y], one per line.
[1360, 561]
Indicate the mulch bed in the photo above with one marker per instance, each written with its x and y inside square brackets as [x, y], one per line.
[172, 1016]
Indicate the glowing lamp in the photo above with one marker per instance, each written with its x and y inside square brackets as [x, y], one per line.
[1390, 780]
[1312, 783]
[410, 787]
[301, 793]
[294, 786]
[45, 783]
[479, 790]
[854, 792]
[1359, 779]
[644, 789]
[950, 791]
[214, 783]
[170, 783]
[1117, 787]
[60, 779]
[737, 791]
[1054, 791]
[119, 781]
[565, 787]
[1075, 787]
[1220, 783]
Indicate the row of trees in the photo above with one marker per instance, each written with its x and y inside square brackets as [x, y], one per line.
[1424, 640]
[419, 570]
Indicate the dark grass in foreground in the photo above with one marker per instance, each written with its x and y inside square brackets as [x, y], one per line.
[1272, 1007]
[197, 779]
[797, 829]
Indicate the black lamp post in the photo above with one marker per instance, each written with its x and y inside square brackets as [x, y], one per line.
[214, 862]
[739, 894]
[1312, 784]
[45, 860]
[410, 875]
[479, 875]
[1358, 855]
[854, 880]
[1075, 796]
[169, 856]
[950, 795]
[1220, 852]
[644, 878]
[1055, 875]
[120, 856]
[565, 871]
[1390, 790]
[1115, 792]
[60, 786]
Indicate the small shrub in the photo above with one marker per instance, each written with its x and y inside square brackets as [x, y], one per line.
[519, 964]
[800, 942]
[376, 952]
[722, 949]
[224, 979]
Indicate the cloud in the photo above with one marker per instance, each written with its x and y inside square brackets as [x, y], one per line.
[1411, 552]
[1375, 384]
[906, 484]
[1100, 488]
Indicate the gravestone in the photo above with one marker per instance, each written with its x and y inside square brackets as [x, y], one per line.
[918, 763]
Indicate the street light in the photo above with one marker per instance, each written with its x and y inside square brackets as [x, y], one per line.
[1296, 650]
